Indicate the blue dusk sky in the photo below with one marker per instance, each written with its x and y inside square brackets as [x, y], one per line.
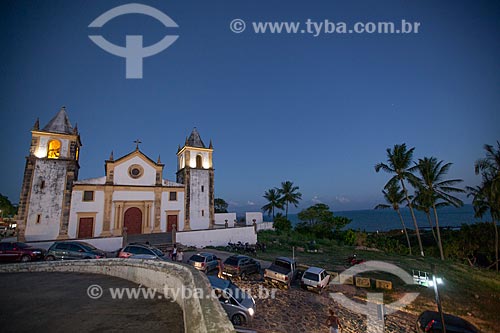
[319, 111]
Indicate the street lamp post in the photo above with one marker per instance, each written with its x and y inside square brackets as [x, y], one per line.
[435, 282]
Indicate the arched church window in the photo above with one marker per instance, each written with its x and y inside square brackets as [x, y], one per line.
[54, 150]
[199, 161]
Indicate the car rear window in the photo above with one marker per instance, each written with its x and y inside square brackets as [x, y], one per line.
[88, 247]
[62, 246]
[139, 250]
[282, 263]
[233, 261]
[311, 276]
[197, 258]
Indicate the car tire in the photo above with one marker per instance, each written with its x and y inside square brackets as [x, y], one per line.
[50, 258]
[238, 320]
[25, 258]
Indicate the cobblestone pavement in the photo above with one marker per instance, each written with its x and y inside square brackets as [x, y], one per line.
[297, 310]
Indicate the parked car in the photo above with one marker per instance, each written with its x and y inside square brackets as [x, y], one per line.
[281, 272]
[239, 306]
[315, 278]
[240, 266]
[17, 251]
[204, 261]
[73, 250]
[430, 322]
[142, 251]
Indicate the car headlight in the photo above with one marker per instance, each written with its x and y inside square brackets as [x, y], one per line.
[251, 312]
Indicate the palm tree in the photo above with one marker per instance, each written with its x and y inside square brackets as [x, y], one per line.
[487, 195]
[395, 197]
[399, 160]
[431, 179]
[422, 201]
[274, 201]
[289, 195]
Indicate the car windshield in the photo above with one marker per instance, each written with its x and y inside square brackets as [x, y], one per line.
[233, 261]
[311, 276]
[157, 252]
[197, 258]
[282, 263]
[236, 292]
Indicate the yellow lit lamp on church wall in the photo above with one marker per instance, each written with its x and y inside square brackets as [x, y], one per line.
[54, 150]
[41, 152]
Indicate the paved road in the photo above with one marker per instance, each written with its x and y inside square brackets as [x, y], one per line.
[58, 302]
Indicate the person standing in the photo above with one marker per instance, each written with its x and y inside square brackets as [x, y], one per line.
[174, 253]
[333, 322]
[220, 266]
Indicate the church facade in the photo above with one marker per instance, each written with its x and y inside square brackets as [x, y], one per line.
[132, 196]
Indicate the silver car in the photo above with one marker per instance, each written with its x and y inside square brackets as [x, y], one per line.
[315, 278]
[239, 306]
[204, 261]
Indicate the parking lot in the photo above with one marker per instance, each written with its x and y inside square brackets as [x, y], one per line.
[297, 310]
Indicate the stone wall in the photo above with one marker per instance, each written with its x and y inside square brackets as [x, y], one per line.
[250, 216]
[220, 219]
[217, 237]
[201, 315]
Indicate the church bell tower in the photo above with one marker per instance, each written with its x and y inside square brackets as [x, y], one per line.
[50, 170]
[195, 170]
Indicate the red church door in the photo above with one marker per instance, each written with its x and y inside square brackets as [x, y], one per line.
[133, 221]
[86, 227]
[171, 220]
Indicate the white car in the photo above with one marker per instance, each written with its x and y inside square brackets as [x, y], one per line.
[315, 278]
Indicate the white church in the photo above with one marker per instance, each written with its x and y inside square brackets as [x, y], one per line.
[132, 196]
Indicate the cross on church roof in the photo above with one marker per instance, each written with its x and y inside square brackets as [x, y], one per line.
[137, 142]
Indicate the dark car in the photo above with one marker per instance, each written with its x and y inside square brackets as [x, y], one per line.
[17, 251]
[71, 250]
[142, 251]
[430, 322]
[240, 266]
[204, 261]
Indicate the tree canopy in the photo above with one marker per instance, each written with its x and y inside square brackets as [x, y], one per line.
[320, 221]
[220, 205]
[7, 208]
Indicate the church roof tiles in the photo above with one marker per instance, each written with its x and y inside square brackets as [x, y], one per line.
[59, 124]
[194, 140]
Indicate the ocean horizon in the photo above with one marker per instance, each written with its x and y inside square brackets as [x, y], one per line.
[387, 219]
